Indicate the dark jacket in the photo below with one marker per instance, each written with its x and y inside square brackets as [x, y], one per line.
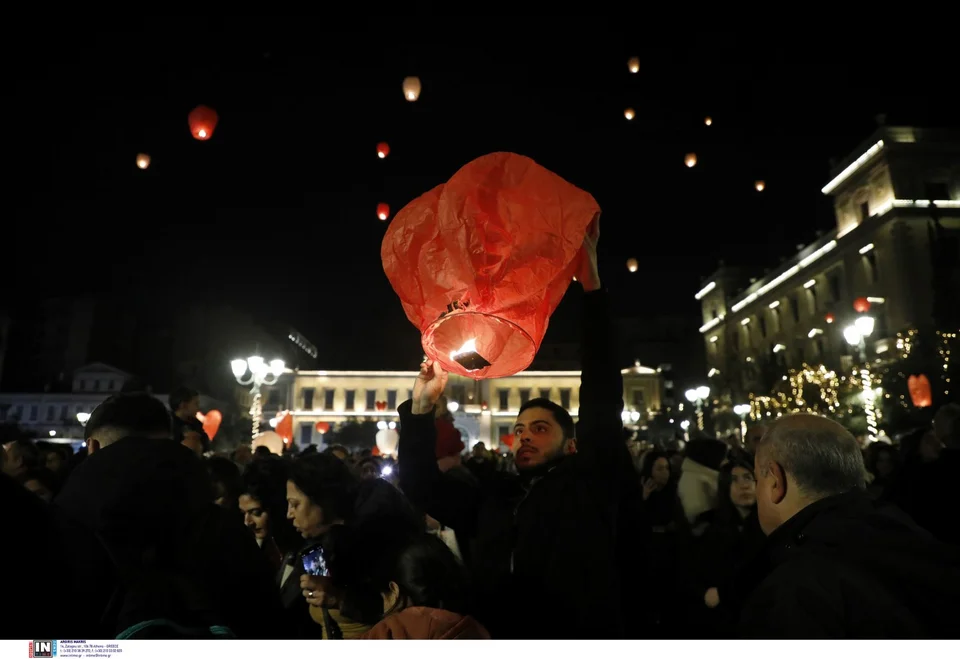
[545, 550]
[845, 567]
[929, 494]
[149, 502]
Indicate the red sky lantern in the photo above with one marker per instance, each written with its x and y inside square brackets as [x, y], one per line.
[861, 305]
[829, 318]
[480, 262]
[322, 427]
[383, 150]
[919, 387]
[507, 440]
[285, 427]
[203, 121]
[383, 211]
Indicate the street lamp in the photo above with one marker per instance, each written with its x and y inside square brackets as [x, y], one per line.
[256, 372]
[856, 335]
[83, 417]
[698, 396]
[742, 411]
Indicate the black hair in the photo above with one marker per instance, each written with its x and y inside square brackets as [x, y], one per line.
[262, 452]
[426, 572]
[564, 420]
[265, 481]
[707, 451]
[136, 414]
[327, 482]
[181, 395]
[226, 474]
[29, 453]
[726, 510]
[336, 447]
[649, 459]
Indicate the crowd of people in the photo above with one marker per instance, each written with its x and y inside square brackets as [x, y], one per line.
[579, 533]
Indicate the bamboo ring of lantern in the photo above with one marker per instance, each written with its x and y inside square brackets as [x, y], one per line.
[632, 265]
[759, 185]
[629, 114]
[143, 160]
[708, 121]
[383, 211]
[411, 88]
[383, 150]
[690, 159]
[634, 64]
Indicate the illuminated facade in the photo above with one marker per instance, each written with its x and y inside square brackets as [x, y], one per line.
[485, 411]
[896, 243]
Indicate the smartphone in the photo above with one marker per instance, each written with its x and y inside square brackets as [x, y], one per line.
[315, 562]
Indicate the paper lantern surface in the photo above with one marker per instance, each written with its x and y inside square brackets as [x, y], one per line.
[861, 305]
[271, 440]
[322, 427]
[411, 88]
[919, 388]
[387, 441]
[211, 422]
[285, 426]
[383, 150]
[203, 121]
[480, 262]
[383, 211]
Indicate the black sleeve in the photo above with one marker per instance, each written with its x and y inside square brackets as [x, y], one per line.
[421, 480]
[600, 433]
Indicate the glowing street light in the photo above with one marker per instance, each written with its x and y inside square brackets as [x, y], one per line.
[698, 397]
[256, 372]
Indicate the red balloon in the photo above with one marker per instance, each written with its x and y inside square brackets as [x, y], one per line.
[383, 150]
[919, 388]
[829, 318]
[481, 262]
[211, 422]
[203, 121]
[383, 211]
[507, 440]
[322, 427]
[285, 427]
[861, 305]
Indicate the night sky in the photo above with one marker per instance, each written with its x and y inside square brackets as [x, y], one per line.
[276, 212]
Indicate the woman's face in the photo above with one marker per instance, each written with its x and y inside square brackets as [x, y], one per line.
[255, 517]
[306, 515]
[743, 488]
[661, 472]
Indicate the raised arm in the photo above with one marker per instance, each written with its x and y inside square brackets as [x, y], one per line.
[419, 473]
[600, 432]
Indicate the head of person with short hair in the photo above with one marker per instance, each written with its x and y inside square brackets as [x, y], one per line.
[543, 433]
[22, 455]
[185, 403]
[126, 415]
[802, 459]
[946, 425]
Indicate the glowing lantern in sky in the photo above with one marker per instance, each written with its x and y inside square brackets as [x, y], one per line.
[919, 388]
[203, 121]
[632, 265]
[829, 318]
[411, 88]
[480, 262]
[759, 185]
[634, 64]
[383, 150]
[322, 427]
[383, 211]
[690, 159]
[143, 160]
[861, 305]
[708, 121]
[629, 114]
[284, 426]
[387, 441]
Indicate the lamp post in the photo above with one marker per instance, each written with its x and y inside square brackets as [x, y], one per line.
[856, 335]
[742, 411]
[256, 372]
[698, 396]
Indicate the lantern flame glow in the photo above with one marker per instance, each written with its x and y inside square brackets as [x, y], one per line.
[634, 64]
[383, 211]
[143, 160]
[690, 159]
[632, 265]
[708, 121]
[411, 88]
[759, 185]
[629, 114]
[469, 346]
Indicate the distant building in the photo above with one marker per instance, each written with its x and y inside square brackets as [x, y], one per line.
[897, 243]
[485, 411]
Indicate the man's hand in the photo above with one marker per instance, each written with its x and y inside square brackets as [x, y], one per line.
[587, 273]
[428, 386]
[319, 591]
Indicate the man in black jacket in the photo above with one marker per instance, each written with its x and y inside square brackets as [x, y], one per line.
[837, 565]
[546, 554]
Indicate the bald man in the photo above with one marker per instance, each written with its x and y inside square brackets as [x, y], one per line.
[836, 565]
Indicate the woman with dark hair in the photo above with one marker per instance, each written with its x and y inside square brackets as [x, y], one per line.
[424, 590]
[729, 536]
[263, 502]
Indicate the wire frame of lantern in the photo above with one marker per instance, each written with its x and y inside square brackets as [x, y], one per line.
[411, 88]
[629, 114]
[690, 160]
[634, 64]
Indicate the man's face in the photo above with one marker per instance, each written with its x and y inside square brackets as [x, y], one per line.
[255, 517]
[191, 407]
[538, 438]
